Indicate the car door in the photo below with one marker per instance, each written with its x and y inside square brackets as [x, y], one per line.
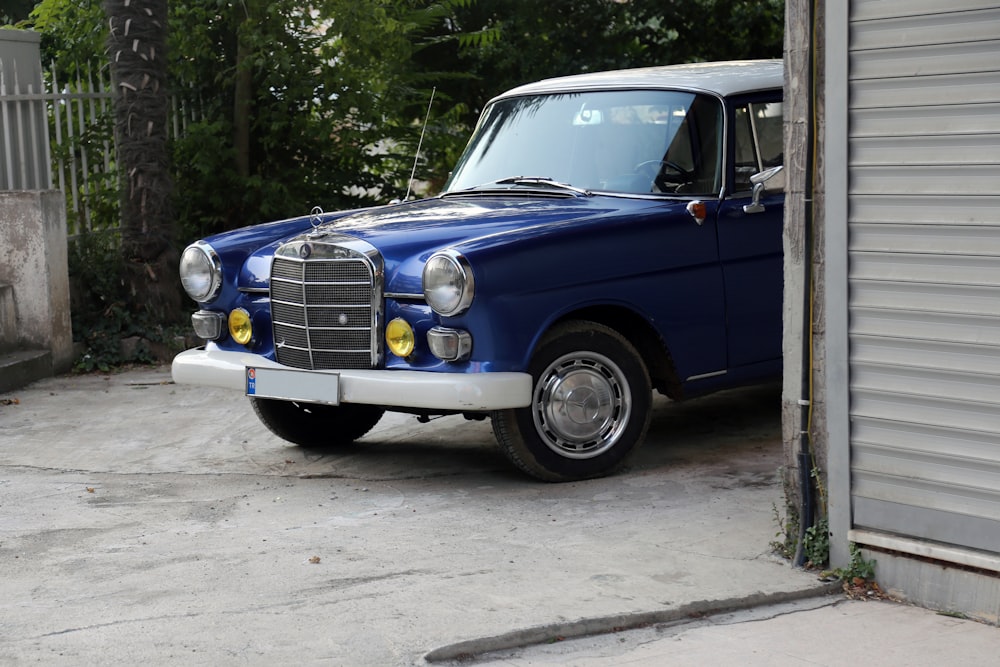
[750, 231]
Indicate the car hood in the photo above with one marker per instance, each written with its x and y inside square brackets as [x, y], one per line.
[406, 234]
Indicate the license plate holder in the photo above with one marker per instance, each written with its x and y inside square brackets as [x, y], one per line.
[289, 384]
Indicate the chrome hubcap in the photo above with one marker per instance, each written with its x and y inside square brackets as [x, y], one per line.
[581, 405]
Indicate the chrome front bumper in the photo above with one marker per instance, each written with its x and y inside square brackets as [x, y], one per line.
[394, 388]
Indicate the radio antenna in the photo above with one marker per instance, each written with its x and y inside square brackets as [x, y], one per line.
[416, 158]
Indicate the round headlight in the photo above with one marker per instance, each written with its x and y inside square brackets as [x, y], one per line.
[448, 283]
[201, 272]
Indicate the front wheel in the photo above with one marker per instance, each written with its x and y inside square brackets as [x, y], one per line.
[316, 425]
[589, 410]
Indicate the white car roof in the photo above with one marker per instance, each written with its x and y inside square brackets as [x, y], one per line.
[722, 78]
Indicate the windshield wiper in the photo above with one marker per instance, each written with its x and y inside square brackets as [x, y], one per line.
[541, 180]
[486, 188]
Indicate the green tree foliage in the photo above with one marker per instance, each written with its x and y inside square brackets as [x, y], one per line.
[289, 104]
[284, 105]
[280, 105]
[72, 32]
[570, 37]
[302, 105]
[15, 11]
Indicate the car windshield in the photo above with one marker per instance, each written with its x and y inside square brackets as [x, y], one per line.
[631, 141]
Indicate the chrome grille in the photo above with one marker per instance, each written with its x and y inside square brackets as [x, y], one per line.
[324, 307]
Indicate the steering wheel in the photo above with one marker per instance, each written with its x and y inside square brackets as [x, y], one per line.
[656, 170]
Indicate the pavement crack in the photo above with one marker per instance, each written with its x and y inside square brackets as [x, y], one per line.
[111, 624]
[395, 478]
[349, 582]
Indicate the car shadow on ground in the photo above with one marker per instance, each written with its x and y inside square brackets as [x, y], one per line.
[734, 429]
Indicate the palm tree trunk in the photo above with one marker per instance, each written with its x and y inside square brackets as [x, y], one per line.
[137, 48]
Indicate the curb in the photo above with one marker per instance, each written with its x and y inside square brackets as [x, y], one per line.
[544, 634]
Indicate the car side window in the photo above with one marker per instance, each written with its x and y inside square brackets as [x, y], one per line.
[758, 137]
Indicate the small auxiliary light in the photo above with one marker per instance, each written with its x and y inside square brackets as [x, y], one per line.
[399, 337]
[240, 327]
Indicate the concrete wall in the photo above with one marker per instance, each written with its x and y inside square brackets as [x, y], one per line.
[33, 262]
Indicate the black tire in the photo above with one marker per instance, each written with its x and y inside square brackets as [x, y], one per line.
[314, 424]
[560, 440]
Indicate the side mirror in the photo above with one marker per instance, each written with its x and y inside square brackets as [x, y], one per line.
[774, 178]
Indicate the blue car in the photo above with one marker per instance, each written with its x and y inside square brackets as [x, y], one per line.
[602, 236]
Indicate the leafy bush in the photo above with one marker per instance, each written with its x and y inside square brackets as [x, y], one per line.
[101, 313]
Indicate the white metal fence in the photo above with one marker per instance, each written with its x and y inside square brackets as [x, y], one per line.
[83, 152]
[25, 141]
[60, 134]
[24, 148]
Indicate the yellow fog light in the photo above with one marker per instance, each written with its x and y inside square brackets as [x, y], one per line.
[240, 327]
[399, 337]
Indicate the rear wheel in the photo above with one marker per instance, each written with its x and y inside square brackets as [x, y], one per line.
[589, 410]
[314, 424]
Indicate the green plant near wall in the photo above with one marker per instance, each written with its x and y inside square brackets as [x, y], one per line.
[816, 544]
[98, 307]
[783, 543]
[858, 568]
[101, 314]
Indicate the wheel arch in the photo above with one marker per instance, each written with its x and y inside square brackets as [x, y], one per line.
[642, 335]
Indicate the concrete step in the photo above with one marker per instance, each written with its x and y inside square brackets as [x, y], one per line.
[22, 367]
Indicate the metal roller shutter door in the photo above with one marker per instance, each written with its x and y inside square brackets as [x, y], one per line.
[924, 276]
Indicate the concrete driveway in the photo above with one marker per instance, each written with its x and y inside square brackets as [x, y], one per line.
[142, 521]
